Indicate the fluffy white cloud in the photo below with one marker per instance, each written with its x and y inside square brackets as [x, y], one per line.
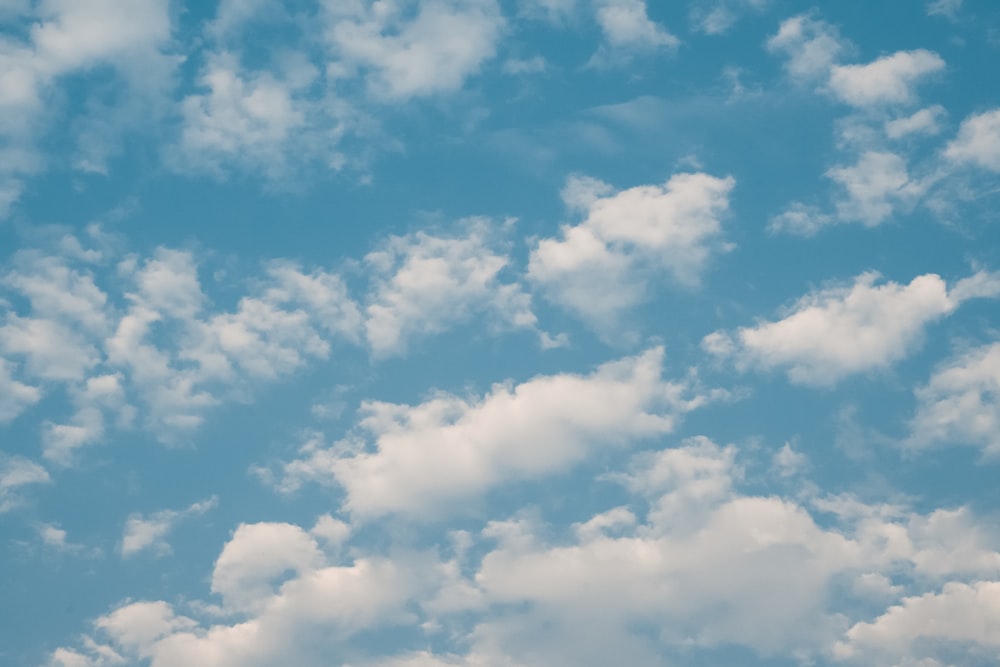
[150, 532]
[924, 121]
[959, 614]
[875, 186]
[978, 141]
[270, 122]
[839, 331]
[434, 49]
[70, 37]
[426, 457]
[424, 283]
[800, 219]
[600, 267]
[626, 25]
[257, 554]
[17, 472]
[15, 396]
[682, 567]
[811, 46]
[888, 80]
[960, 405]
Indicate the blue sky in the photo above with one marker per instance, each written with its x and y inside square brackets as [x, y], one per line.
[499, 333]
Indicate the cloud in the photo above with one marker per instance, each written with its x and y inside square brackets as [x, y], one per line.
[600, 267]
[73, 37]
[17, 472]
[150, 532]
[960, 405]
[424, 283]
[889, 80]
[15, 396]
[682, 567]
[426, 458]
[627, 27]
[960, 613]
[924, 121]
[947, 8]
[271, 122]
[716, 17]
[402, 56]
[835, 332]
[801, 220]
[811, 46]
[978, 141]
[876, 185]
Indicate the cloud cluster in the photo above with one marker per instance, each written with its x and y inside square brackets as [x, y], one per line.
[689, 558]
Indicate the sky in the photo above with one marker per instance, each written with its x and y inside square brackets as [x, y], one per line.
[499, 333]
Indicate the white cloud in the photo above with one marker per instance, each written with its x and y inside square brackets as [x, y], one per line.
[800, 219]
[433, 51]
[15, 396]
[150, 532]
[682, 567]
[978, 141]
[888, 80]
[875, 186]
[840, 331]
[426, 457]
[924, 121]
[946, 8]
[716, 17]
[17, 472]
[423, 284]
[256, 555]
[70, 37]
[959, 614]
[626, 26]
[960, 405]
[811, 46]
[600, 268]
[269, 121]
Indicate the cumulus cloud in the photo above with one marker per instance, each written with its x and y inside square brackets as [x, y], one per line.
[889, 80]
[17, 472]
[835, 332]
[425, 283]
[426, 457]
[978, 141]
[875, 187]
[402, 55]
[15, 396]
[959, 613]
[811, 46]
[69, 38]
[150, 532]
[689, 558]
[627, 28]
[924, 121]
[600, 267]
[960, 405]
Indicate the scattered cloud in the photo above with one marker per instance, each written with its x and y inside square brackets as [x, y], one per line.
[888, 80]
[835, 332]
[16, 473]
[150, 531]
[960, 405]
[978, 141]
[425, 283]
[600, 268]
[426, 458]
